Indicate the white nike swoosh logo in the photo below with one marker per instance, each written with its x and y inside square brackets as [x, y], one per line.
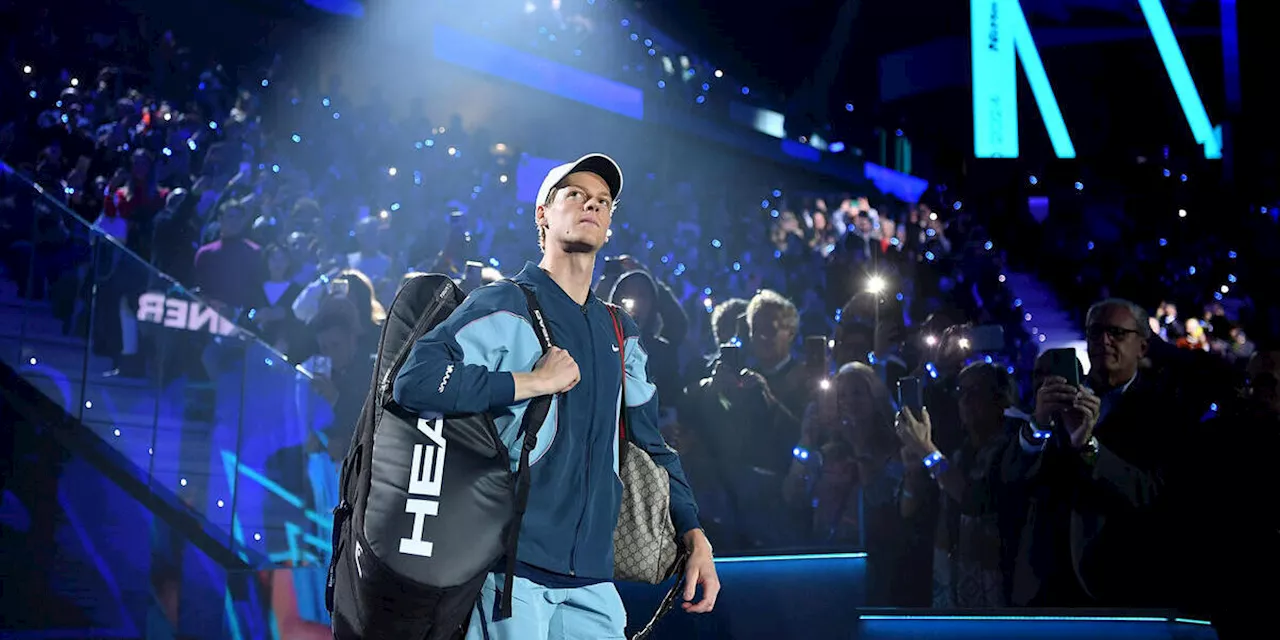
[615, 347]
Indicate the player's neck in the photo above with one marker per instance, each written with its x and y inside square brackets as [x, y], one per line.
[572, 271]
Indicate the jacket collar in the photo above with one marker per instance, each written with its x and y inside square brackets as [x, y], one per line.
[541, 281]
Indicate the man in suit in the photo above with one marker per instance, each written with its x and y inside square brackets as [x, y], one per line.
[1096, 460]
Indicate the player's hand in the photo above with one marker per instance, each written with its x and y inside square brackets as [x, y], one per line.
[700, 571]
[557, 371]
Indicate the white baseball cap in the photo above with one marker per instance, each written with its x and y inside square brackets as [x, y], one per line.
[596, 163]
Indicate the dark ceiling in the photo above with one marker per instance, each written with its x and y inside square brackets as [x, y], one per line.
[779, 44]
[771, 44]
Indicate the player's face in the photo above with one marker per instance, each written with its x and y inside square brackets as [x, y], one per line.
[578, 218]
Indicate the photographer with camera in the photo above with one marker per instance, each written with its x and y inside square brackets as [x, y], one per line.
[747, 414]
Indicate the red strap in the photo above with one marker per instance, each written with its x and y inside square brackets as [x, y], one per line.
[622, 357]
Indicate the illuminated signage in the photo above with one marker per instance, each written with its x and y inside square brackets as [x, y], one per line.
[1000, 37]
[1175, 65]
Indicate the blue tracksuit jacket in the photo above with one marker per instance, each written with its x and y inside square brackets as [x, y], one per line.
[464, 365]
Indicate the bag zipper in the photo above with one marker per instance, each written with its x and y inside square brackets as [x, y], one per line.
[417, 332]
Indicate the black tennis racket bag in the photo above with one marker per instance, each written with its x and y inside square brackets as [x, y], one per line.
[429, 503]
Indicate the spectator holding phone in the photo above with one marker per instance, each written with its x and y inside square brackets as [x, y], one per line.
[1098, 459]
[973, 507]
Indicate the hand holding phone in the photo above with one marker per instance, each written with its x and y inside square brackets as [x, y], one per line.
[731, 360]
[1058, 393]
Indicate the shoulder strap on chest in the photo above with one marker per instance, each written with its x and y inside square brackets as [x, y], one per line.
[534, 415]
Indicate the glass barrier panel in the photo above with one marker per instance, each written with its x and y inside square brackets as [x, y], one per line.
[189, 399]
[94, 560]
[283, 466]
[40, 332]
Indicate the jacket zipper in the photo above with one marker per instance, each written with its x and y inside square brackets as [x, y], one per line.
[586, 502]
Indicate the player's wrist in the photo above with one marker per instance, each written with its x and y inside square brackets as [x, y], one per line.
[696, 540]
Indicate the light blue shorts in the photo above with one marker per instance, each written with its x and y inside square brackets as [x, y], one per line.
[540, 613]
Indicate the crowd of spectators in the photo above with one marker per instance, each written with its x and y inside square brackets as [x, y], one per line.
[1159, 229]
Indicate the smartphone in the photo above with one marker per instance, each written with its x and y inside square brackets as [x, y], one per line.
[1064, 364]
[339, 287]
[911, 394]
[817, 355]
[471, 272]
[732, 358]
[985, 338]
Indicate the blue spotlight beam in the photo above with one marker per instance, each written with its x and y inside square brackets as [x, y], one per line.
[1185, 88]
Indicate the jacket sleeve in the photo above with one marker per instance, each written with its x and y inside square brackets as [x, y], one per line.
[458, 366]
[1023, 461]
[641, 400]
[1125, 483]
[307, 304]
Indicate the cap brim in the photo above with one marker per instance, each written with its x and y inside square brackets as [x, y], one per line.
[603, 166]
[596, 163]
